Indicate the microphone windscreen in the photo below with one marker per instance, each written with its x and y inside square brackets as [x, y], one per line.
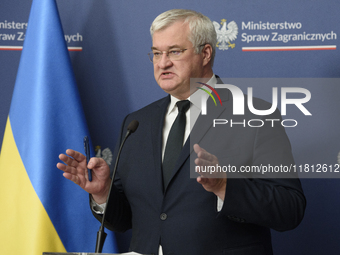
[133, 126]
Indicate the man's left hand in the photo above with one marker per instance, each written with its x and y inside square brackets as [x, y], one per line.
[212, 182]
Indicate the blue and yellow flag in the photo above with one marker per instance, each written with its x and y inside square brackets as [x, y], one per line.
[41, 211]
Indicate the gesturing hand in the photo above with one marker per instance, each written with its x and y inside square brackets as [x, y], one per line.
[75, 169]
[215, 182]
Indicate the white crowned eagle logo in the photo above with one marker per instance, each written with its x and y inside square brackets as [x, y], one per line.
[106, 154]
[224, 36]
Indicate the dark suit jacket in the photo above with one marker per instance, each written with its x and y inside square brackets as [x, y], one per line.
[184, 218]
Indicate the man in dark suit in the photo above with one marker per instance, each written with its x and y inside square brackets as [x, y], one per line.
[155, 194]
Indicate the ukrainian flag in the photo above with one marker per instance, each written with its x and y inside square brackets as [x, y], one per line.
[41, 211]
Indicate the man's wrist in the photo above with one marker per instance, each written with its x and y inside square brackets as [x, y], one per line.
[99, 199]
[102, 197]
[221, 192]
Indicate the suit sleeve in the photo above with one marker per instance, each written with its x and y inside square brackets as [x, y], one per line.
[276, 202]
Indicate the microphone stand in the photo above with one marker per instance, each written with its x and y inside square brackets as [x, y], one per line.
[101, 235]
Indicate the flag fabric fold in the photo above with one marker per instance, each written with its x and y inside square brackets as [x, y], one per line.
[41, 210]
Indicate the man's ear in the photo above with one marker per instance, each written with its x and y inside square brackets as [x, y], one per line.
[207, 54]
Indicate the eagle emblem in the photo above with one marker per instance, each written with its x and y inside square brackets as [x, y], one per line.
[106, 154]
[224, 35]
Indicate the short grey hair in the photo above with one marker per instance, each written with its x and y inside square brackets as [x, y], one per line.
[202, 30]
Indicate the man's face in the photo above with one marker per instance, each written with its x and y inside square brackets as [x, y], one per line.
[173, 76]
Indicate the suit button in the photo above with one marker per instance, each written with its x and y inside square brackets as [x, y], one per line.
[163, 216]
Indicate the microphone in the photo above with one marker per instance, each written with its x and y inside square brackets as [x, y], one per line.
[132, 127]
[101, 235]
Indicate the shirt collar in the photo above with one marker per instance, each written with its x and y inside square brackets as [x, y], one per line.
[193, 98]
[198, 95]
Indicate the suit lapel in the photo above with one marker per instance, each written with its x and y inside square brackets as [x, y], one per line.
[204, 122]
[157, 139]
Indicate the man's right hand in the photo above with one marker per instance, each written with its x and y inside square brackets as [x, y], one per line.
[75, 169]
